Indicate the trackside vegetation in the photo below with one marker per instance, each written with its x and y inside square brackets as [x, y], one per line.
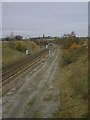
[14, 50]
[74, 84]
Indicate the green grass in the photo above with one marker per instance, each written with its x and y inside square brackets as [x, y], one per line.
[10, 54]
[74, 85]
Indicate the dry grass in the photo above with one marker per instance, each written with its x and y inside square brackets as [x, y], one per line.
[10, 54]
[74, 85]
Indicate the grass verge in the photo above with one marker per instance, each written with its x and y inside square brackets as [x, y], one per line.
[11, 54]
[74, 85]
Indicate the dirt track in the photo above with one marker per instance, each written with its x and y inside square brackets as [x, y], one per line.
[36, 94]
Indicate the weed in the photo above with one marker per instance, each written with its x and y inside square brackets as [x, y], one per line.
[32, 101]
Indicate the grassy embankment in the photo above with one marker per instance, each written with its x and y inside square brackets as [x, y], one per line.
[13, 51]
[74, 84]
[0, 54]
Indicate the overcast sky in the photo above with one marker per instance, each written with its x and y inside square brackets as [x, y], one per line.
[54, 19]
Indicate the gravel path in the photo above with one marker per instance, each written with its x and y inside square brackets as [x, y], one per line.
[35, 95]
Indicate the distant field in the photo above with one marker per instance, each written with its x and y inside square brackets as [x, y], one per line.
[11, 52]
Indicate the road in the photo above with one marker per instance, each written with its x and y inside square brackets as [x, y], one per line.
[36, 93]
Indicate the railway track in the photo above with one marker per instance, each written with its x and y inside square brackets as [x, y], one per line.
[22, 65]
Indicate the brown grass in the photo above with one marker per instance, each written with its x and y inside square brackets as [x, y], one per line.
[74, 85]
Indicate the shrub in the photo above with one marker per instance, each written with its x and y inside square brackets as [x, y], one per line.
[11, 44]
[20, 48]
[70, 56]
